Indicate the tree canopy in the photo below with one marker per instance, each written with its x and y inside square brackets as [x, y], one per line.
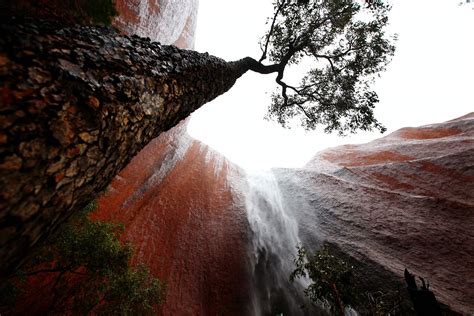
[347, 45]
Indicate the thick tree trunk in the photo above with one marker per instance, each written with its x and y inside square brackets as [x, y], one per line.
[76, 104]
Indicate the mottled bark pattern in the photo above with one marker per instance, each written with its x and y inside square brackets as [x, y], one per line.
[76, 104]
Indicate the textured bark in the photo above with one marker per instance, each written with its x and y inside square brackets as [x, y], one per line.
[76, 104]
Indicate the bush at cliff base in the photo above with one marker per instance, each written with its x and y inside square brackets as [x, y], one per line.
[83, 268]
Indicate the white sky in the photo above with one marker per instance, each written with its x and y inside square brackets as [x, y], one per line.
[429, 80]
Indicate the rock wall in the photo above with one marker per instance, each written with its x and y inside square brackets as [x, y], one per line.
[405, 200]
[167, 21]
[179, 212]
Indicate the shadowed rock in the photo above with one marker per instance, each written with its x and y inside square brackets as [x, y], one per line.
[423, 299]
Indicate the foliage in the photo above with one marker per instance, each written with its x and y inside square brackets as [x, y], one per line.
[334, 284]
[90, 269]
[332, 278]
[346, 43]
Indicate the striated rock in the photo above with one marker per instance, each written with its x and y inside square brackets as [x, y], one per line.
[403, 201]
[167, 21]
[175, 197]
[180, 213]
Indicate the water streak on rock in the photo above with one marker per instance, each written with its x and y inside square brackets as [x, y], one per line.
[404, 200]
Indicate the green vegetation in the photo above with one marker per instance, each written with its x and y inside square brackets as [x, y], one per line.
[336, 285]
[332, 278]
[89, 270]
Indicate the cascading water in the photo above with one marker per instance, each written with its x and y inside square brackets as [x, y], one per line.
[274, 238]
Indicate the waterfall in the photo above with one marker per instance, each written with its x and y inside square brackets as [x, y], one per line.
[273, 241]
[271, 224]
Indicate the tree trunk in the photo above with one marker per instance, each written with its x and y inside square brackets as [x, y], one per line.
[76, 104]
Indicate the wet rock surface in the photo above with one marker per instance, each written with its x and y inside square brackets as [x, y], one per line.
[179, 211]
[77, 103]
[405, 200]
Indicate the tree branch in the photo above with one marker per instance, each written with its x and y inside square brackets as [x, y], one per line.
[338, 55]
[284, 86]
[264, 51]
[251, 64]
[329, 60]
[56, 292]
[61, 270]
[44, 271]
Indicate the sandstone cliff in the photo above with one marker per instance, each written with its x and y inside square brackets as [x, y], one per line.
[405, 200]
[170, 22]
[180, 213]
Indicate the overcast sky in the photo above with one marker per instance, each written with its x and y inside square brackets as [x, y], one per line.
[429, 80]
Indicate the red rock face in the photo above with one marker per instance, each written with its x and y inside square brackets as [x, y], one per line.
[167, 21]
[174, 197]
[179, 213]
[181, 216]
[175, 200]
[405, 200]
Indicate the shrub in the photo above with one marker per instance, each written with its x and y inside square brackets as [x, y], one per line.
[89, 271]
[332, 278]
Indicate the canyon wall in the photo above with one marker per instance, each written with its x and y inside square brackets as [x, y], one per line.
[174, 197]
[180, 214]
[166, 21]
[403, 201]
